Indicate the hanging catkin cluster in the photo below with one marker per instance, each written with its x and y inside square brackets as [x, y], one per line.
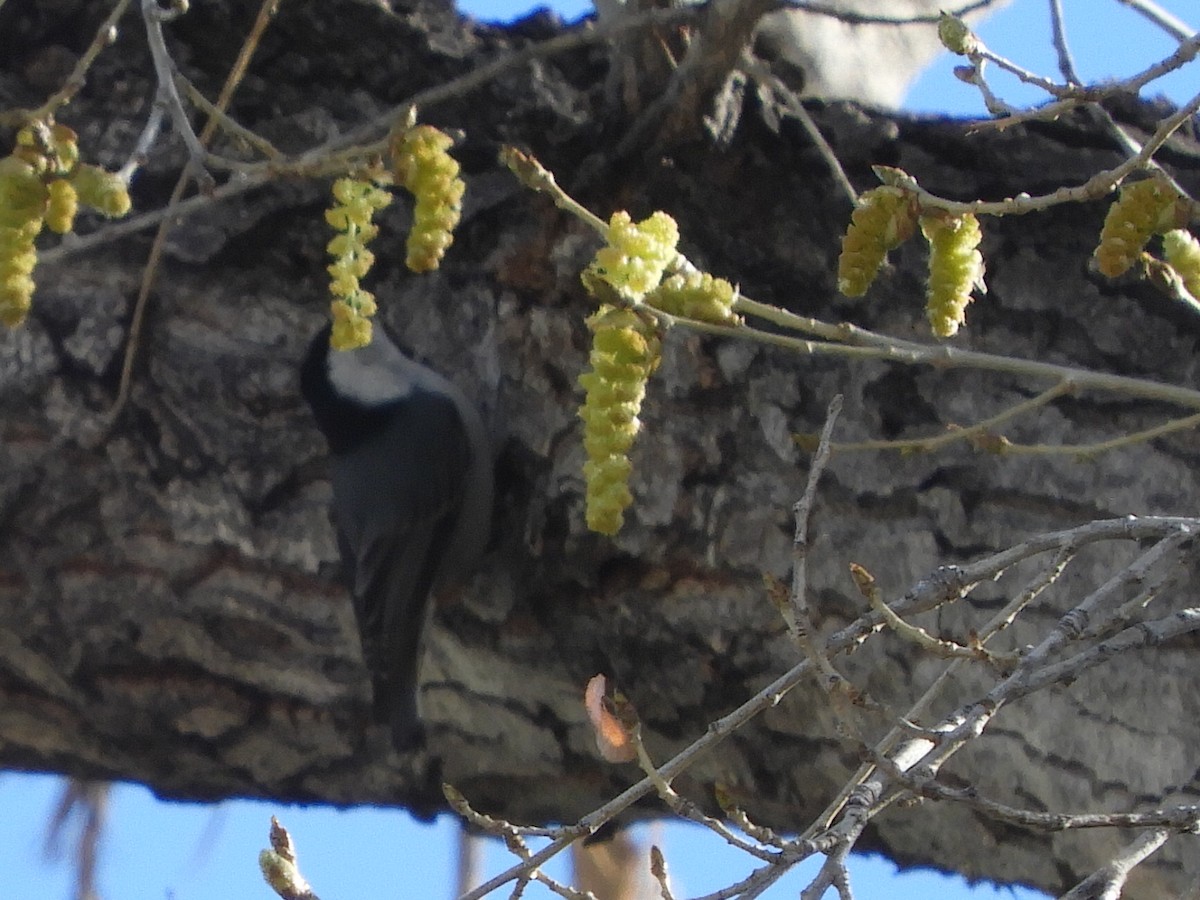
[356, 200]
[1143, 209]
[22, 208]
[884, 218]
[696, 295]
[42, 183]
[636, 254]
[625, 351]
[955, 268]
[425, 168]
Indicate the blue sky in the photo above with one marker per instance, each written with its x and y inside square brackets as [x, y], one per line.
[155, 851]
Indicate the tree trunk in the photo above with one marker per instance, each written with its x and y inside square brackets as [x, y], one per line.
[169, 608]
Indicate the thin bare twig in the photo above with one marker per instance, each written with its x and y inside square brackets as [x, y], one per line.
[854, 18]
[490, 825]
[863, 344]
[796, 611]
[1184, 54]
[924, 739]
[739, 817]
[900, 752]
[1132, 148]
[164, 67]
[1032, 590]
[802, 512]
[974, 75]
[929, 593]
[1144, 634]
[716, 732]
[947, 582]
[1066, 64]
[78, 77]
[981, 432]
[686, 809]
[265, 13]
[658, 869]
[961, 727]
[833, 874]
[1097, 186]
[1109, 880]
[236, 130]
[982, 436]
[1076, 622]
[971, 719]
[1097, 447]
[755, 67]
[913, 633]
[1171, 24]
[982, 52]
[317, 160]
[1178, 818]
[146, 140]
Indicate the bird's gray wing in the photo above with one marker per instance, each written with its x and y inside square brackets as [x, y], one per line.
[394, 529]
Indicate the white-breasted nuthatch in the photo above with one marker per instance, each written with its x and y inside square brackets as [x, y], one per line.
[411, 467]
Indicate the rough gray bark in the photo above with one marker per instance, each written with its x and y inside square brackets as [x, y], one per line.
[168, 606]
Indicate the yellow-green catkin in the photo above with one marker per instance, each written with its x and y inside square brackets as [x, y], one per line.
[1143, 209]
[884, 218]
[356, 200]
[23, 202]
[23, 194]
[18, 256]
[52, 150]
[1182, 252]
[37, 189]
[625, 351]
[636, 254]
[62, 206]
[696, 295]
[54, 153]
[425, 167]
[955, 268]
[102, 191]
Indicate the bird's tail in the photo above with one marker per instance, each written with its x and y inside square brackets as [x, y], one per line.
[408, 733]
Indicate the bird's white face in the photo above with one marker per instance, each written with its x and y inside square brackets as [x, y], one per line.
[372, 375]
